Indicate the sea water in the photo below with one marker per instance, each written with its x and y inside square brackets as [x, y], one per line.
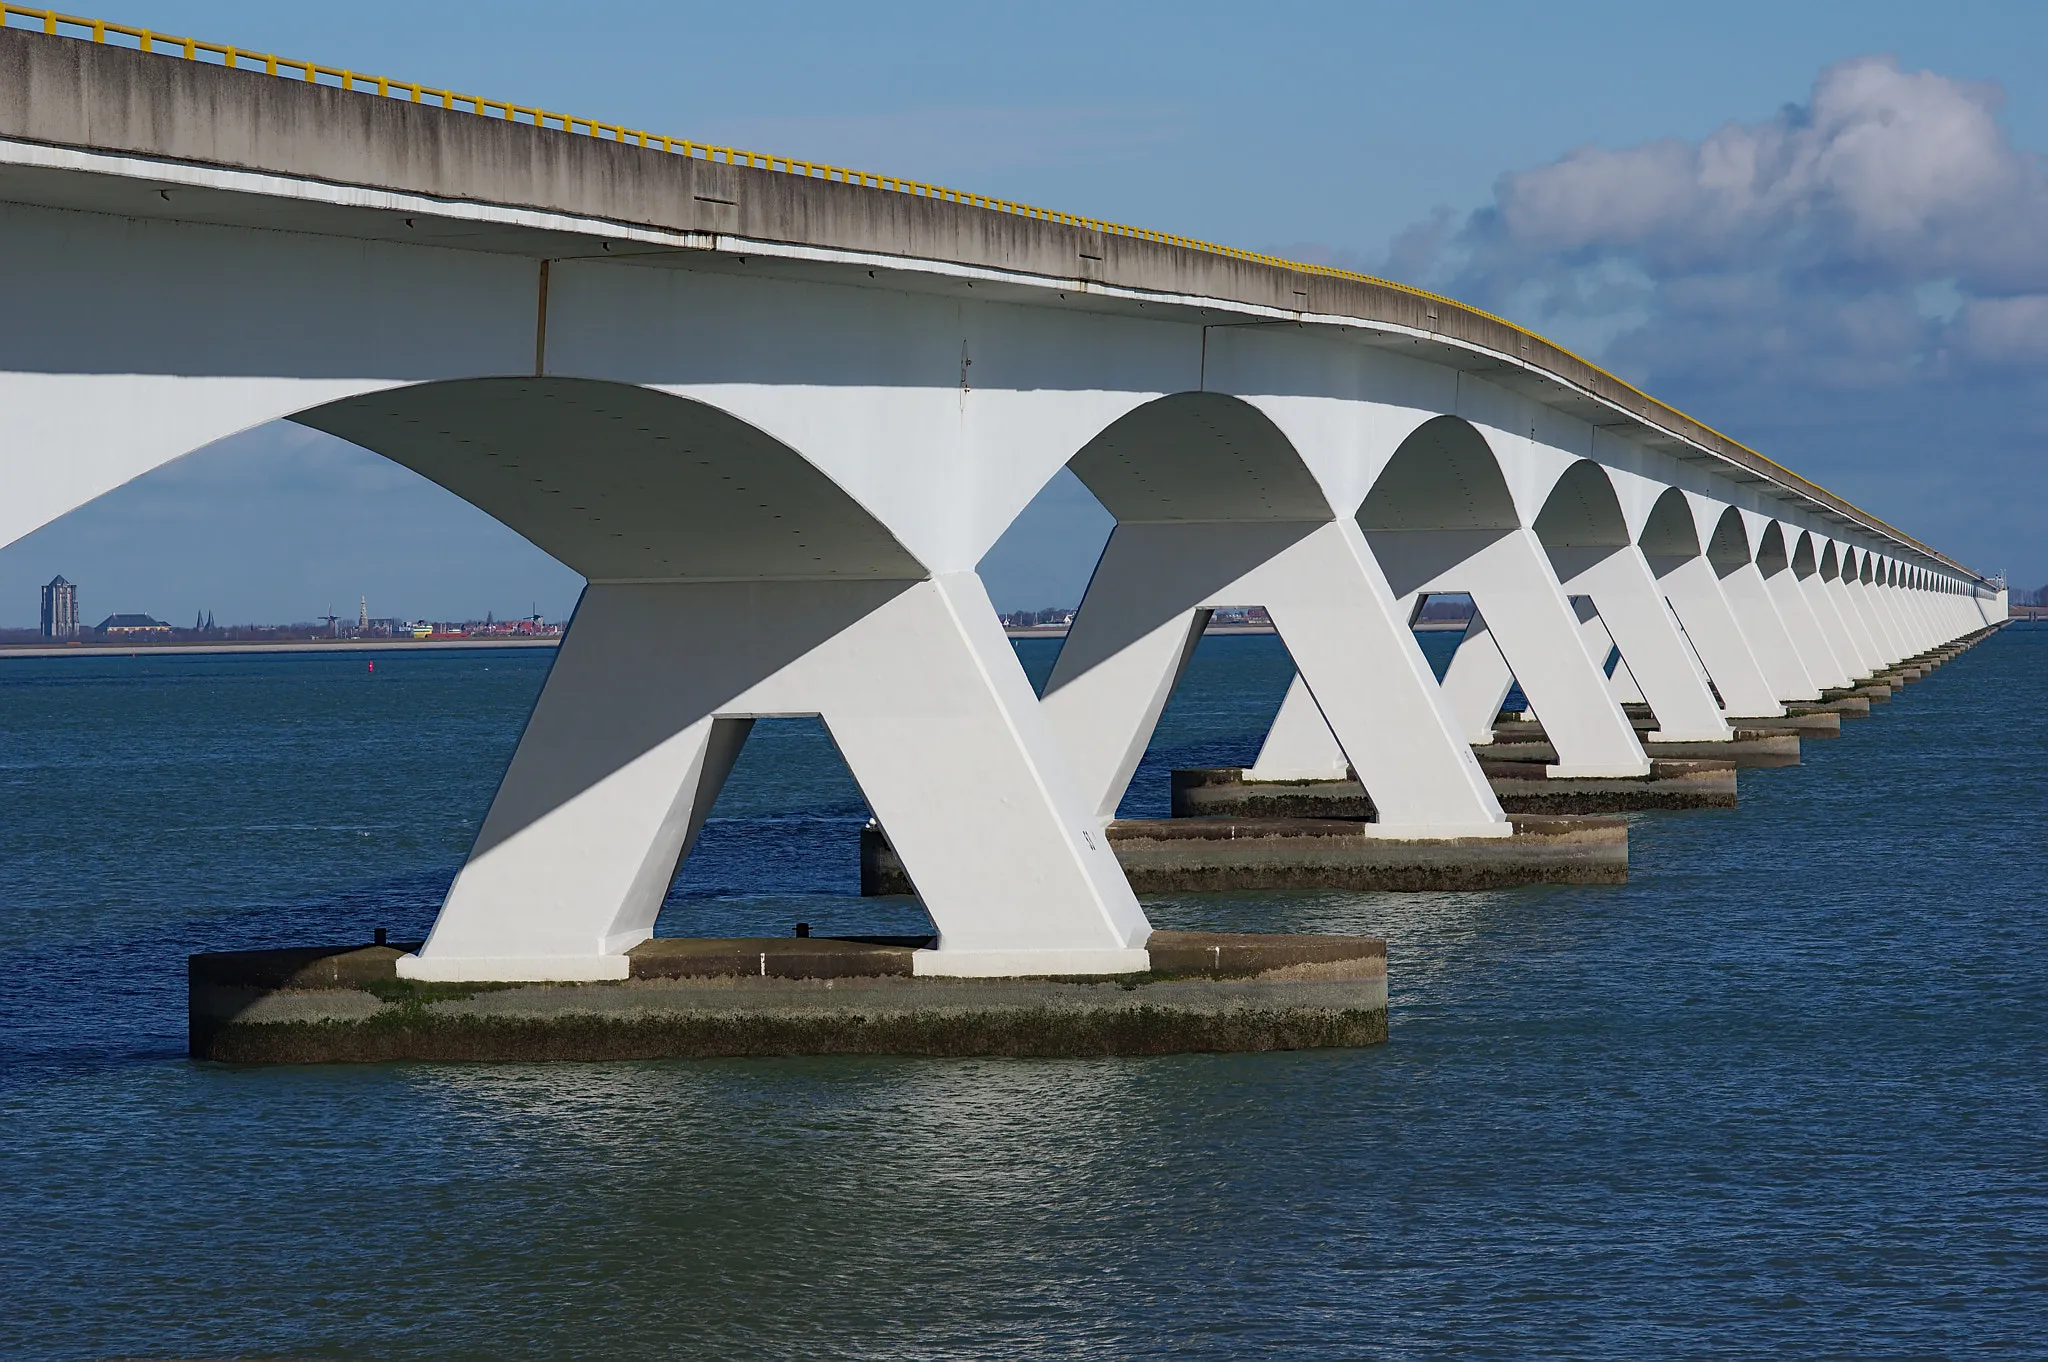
[1784, 1093]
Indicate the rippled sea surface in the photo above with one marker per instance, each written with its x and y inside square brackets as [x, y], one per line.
[1783, 1094]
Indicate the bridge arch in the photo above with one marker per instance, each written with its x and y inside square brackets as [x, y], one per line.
[1215, 506]
[1441, 517]
[622, 482]
[1729, 548]
[730, 578]
[1198, 456]
[1582, 511]
[1670, 532]
[1805, 560]
[1443, 476]
[1772, 554]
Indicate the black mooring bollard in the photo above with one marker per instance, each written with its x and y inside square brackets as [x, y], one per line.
[803, 929]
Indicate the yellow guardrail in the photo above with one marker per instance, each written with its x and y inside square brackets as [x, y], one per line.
[238, 58]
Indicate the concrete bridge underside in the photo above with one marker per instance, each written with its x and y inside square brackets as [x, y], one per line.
[777, 421]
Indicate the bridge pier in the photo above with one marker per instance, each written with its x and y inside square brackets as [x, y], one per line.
[1358, 666]
[646, 708]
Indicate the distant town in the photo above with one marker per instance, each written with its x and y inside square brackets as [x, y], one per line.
[61, 624]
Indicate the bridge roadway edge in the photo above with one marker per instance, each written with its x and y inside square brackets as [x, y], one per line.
[198, 114]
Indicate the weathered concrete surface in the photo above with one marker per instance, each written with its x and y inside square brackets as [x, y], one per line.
[1748, 747]
[1230, 793]
[1848, 707]
[1206, 991]
[1822, 724]
[1173, 855]
[70, 93]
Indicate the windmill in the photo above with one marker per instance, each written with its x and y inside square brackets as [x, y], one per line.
[330, 619]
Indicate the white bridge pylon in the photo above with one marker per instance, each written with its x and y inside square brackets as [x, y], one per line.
[778, 483]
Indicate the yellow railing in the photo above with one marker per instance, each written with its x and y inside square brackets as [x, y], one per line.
[289, 68]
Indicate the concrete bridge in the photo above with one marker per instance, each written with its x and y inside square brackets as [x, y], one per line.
[776, 415]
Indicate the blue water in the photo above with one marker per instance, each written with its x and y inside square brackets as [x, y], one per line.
[1785, 1093]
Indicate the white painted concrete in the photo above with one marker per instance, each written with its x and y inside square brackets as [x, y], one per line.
[803, 453]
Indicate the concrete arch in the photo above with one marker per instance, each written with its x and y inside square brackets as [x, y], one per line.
[1621, 603]
[1198, 456]
[1772, 555]
[1728, 548]
[1582, 511]
[730, 578]
[1441, 517]
[622, 482]
[1740, 570]
[1670, 531]
[1443, 476]
[1785, 559]
[1215, 506]
[1805, 559]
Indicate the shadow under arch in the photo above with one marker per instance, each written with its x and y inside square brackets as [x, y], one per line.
[1804, 564]
[1444, 476]
[1190, 458]
[641, 492]
[1440, 499]
[1728, 550]
[1582, 511]
[1198, 456]
[1670, 535]
[1832, 564]
[1772, 556]
[624, 483]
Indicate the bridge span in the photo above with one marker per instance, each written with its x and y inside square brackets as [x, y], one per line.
[776, 414]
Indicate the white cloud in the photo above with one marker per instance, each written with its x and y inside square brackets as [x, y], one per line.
[1857, 284]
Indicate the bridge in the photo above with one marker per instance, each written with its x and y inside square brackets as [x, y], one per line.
[776, 412]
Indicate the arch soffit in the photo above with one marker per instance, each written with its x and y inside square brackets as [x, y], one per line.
[1199, 456]
[1773, 551]
[1582, 511]
[623, 482]
[1672, 529]
[1805, 561]
[1443, 476]
[1728, 543]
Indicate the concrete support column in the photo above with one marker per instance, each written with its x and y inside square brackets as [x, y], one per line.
[1599, 646]
[1621, 588]
[1374, 702]
[1802, 623]
[1868, 655]
[1509, 577]
[1926, 634]
[1476, 684]
[649, 701]
[1828, 620]
[1756, 614]
[1364, 696]
[1695, 593]
[1878, 620]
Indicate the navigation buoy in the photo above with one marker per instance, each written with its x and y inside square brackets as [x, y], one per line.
[373, 669]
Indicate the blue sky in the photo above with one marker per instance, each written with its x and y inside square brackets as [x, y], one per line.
[1813, 226]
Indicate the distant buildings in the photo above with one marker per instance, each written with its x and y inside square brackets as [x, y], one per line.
[133, 626]
[60, 609]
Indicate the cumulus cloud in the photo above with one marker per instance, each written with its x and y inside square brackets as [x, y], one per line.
[1858, 282]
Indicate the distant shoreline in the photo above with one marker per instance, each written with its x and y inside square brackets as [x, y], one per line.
[1060, 630]
[353, 645]
[342, 645]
